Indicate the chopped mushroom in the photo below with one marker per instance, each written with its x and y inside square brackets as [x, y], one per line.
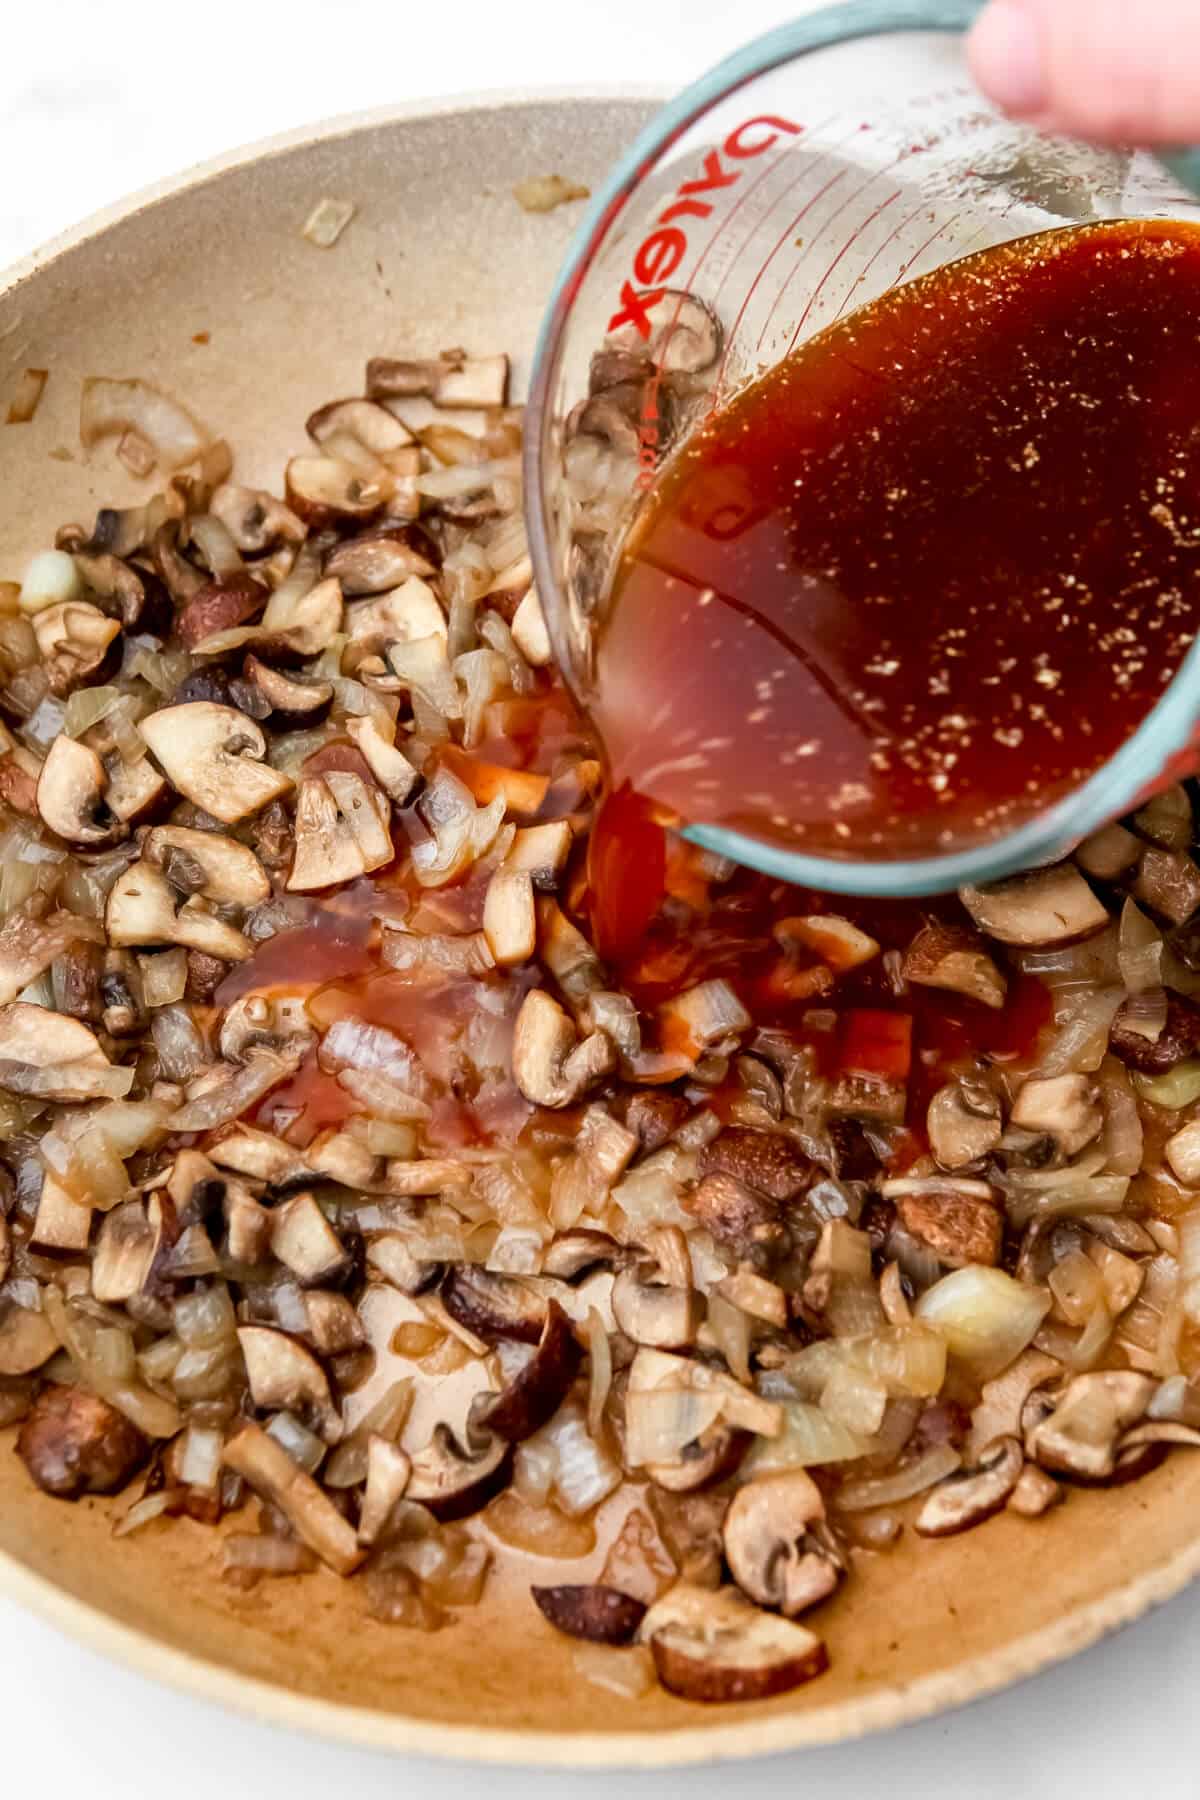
[1035, 1493]
[968, 1496]
[214, 756]
[228, 872]
[375, 563]
[551, 1065]
[773, 1552]
[717, 1647]
[342, 831]
[255, 519]
[293, 702]
[27, 1338]
[74, 1443]
[71, 794]
[1079, 1438]
[964, 1123]
[74, 642]
[282, 1373]
[454, 1482]
[326, 490]
[959, 1221]
[1168, 883]
[389, 1470]
[314, 1518]
[950, 957]
[537, 1390]
[141, 910]
[46, 1054]
[305, 1242]
[1178, 1040]
[509, 919]
[668, 1318]
[769, 1162]
[600, 1614]
[1047, 907]
[390, 767]
[1064, 1107]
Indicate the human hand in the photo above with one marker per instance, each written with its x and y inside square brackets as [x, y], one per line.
[1100, 69]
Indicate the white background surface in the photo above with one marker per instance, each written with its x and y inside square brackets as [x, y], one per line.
[98, 97]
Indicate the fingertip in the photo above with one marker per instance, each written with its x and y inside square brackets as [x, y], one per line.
[1006, 56]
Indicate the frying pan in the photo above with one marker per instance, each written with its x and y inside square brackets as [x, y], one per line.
[207, 286]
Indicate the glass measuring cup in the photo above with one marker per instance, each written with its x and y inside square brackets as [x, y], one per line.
[817, 168]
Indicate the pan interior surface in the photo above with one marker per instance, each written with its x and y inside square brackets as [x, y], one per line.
[211, 290]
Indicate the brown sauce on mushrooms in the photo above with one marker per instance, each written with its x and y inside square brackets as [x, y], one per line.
[925, 576]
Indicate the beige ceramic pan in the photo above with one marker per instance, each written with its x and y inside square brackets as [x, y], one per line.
[439, 254]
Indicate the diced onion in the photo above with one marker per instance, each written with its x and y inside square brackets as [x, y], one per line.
[890, 1490]
[1140, 949]
[810, 1438]
[110, 408]
[985, 1316]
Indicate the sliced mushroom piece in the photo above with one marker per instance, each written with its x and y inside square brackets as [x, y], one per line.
[249, 1228]
[1035, 1493]
[134, 789]
[1038, 910]
[551, 1065]
[770, 1162]
[230, 873]
[1168, 883]
[1109, 853]
[715, 1647]
[74, 641]
[27, 1339]
[405, 616]
[1063, 1107]
[304, 1241]
[141, 911]
[47, 1054]
[375, 562]
[273, 1475]
[74, 1443]
[126, 1250]
[960, 1221]
[953, 958]
[261, 1156]
[1079, 1438]
[28, 947]
[578, 1253]
[541, 852]
[1158, 1431]
[5, 1249]
[1178, 1040]
[263, 1019]
[284, 1376]
[454, 1482]
[684, 337]
[213, 756]
[743, 1218]
[773, 1553]
[219, 607]
[667, 1318]
[327, 490]
[537, 1390]
[968, 1496]
[509, 919]
[294, 703]
[390, 767]
[964, 1123]
[255, 519]
[343, 831]
[599, 1614]
[333, 1324]
[71, 794]
[1002, 1402]
[389, 1470]
[372, 425]
[494, 1307]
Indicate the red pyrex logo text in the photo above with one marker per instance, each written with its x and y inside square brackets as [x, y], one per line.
[664, 247]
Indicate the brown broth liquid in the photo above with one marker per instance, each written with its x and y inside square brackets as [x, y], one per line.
[924, 577]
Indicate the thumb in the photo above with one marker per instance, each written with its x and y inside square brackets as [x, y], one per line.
[1100, 69]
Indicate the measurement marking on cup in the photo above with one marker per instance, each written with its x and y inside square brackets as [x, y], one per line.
[859, 191]
[817, 291]
[905, 222]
